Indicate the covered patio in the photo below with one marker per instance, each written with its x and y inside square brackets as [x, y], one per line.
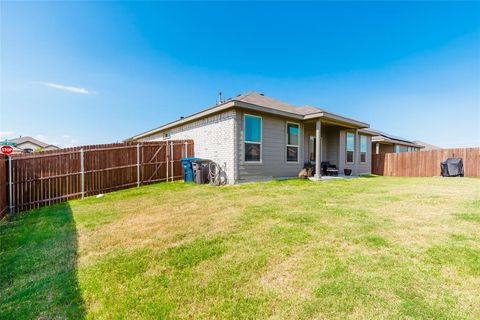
[338, 142]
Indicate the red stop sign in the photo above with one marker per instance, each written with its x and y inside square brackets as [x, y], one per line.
[6, 149]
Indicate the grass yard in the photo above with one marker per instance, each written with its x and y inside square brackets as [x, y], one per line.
[373, 247]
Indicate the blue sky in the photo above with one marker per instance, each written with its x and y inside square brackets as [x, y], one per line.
[89, 72]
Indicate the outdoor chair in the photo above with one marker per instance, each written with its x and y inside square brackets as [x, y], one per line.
[329, 169]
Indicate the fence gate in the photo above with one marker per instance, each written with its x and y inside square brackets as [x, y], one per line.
[154, 162]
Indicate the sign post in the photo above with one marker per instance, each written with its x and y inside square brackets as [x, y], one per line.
[10, 186]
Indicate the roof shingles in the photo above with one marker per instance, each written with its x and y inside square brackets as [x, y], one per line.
[268, 102]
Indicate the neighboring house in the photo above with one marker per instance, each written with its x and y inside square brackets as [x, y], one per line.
[386, 143]
[29, 144]
[426, 146]
[254, 137]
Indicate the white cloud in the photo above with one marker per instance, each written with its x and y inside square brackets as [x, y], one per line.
[62, 141]
[6, 134]
[67, 140]
[41, 137]
[67, 88]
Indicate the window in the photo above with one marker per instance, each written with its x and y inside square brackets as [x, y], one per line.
[253, 138]
[292, 142]
[397, 148]
[166, 135]
[350, 146]
[363, 148]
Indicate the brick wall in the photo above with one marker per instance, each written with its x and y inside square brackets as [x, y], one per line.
[214, 139]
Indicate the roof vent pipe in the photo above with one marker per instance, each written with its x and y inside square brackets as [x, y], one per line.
[220, 97]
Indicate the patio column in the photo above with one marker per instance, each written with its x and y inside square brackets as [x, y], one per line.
[318, 160]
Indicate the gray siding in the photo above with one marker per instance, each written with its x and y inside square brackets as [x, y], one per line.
[330, 143]
[274, 163]
[386, 148]
[389, 148]
[332, 147]
[357, 167]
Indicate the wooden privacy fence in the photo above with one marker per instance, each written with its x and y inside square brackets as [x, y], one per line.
[424, 163]
[3, 185]
[34, 180]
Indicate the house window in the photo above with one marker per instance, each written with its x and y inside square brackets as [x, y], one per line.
[292, 142]
[363, 149]
[166, 135]
[253, 138]
[350, 146]
[397, 148]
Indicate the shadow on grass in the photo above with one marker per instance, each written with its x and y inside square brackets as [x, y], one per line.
[369, 176]
[38, 263]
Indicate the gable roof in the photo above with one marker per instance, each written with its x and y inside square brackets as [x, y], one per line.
[258, 102]
[426, 145]
[25, 139]
[21, 140]
[380, 136]
[260, 99]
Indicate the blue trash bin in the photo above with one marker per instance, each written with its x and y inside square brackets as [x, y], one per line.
[187, 169]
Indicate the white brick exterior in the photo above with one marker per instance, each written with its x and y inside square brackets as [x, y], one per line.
[214, 139]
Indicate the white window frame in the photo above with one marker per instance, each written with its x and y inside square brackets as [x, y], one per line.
[253, 142]
[360, 148]
[346, 147]
[292, 145]
[397, 148]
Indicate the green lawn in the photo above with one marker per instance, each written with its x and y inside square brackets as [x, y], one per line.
[373, 247]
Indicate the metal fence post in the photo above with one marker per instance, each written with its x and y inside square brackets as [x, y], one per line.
[171, 159]
[82, 173]
[10, 186]
[138, 165]
[166, 162]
